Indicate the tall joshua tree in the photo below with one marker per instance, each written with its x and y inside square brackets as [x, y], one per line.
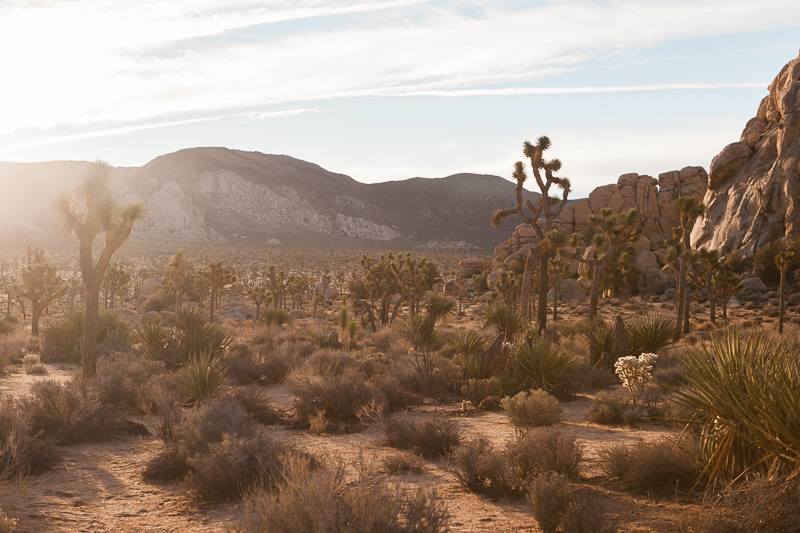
[546, 210]
[102, 214]
[782, 261]
[41, 285]
[218, 277]
[612, 233]
[688, 211]
[115, 279]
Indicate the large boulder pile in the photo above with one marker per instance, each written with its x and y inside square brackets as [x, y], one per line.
[754, 184]
[654, 198]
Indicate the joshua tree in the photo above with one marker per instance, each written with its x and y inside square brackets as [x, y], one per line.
[782, 261]
[41, 285]
[102, 215]
[115, 279]
[259, 296]
[708, 266]
[688, 211]
[612, 233]
[547, 209]
[176, 271]
[725, 284]
[218, 277]
[559, 271]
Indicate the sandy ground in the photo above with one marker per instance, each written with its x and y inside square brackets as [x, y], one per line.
[99, 487]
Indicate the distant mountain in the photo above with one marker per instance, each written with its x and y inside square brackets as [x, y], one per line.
[222, 195]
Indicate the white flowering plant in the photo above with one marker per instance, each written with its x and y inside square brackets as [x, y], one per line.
[635, 372]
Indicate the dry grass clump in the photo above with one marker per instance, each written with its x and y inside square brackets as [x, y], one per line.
[257, 405]
[15, 346]
[320, 500]
[23, 451]
[37, 369]
[613, 408]
[401, 463]
[73, 412]
[663, 465]
[481, 468]
[255, 364]
[429, 437]
[532, 409]
[121, 378]
[220, 452]
[549, 495]
[476, 390]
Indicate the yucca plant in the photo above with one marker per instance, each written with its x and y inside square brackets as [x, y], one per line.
[599, 336]
[151, 338]
[650, 333]
[112, 330]
[472, 347]
[276, 317]
[746, 386]
[6, 327]
[544, 362]
[196, 333]
[202, 377]
[504, 320]
[62, 340]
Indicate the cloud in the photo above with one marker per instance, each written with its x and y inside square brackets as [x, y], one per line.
[141, 127]
[104, 61]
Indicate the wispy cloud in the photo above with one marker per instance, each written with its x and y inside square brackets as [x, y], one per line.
[99, 61]
[141, 127]
[517, 91]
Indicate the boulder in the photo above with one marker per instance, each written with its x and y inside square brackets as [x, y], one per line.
[646, 261]
[453, 288]
[151, 317]
[492, 278]
[754, 285]
[655, 281]
[671, 294]
[727, 163]
[571, 291]
[470, 267]
[329, 294]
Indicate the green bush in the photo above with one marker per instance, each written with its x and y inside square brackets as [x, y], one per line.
[532, 409]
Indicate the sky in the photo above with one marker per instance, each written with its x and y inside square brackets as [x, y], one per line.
[391, 89]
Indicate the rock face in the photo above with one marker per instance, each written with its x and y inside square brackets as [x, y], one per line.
[654, 198]
[754, 184]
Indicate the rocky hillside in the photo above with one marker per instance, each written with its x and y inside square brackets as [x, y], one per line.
[222, 195]
[754, 184]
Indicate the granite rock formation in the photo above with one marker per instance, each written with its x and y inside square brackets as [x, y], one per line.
[754, 184]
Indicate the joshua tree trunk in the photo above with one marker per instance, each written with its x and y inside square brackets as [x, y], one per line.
[594, 298]
[555, 301]
[686, 307]
[36, 313]
[712, 302]
[782, 303]
[619, 340]
[725, 311]
[681, 294]
[541, 316]
[90, 330]
[527, 283]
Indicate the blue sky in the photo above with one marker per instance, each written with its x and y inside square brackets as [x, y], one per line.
[391, 89]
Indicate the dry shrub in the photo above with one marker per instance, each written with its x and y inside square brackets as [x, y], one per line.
[661, 465]
[22, 451]
[476, 390]
[72, 413]
[37, 369]
[251, 364]
[546, 449]
[121, 378]
[586, 514]
[340, 396]
[582, 376]
[764, 503]
[609, 408]
[549, 495]
[707, 326]
[7, 524]
[320, 500]
[480, 468]
[532, 409]
[16, 346]
[230, 468]
[430, 437]
[401, 463]
[257, 405]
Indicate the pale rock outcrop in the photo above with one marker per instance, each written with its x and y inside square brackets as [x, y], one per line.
[364, 229]
[469, 267]
[656, 281]
[646, 261]
[754, 285]
[446, 244]
[755, 183]
[329, 292]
